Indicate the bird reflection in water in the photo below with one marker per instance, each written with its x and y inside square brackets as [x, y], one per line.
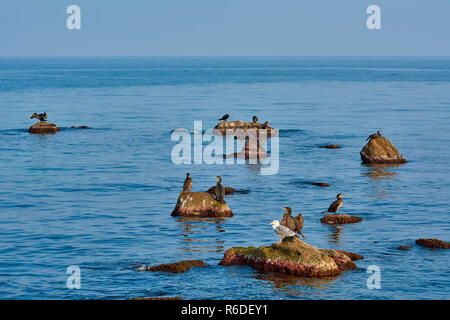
[336, 233]
[380, 173]
[297, 286]
[196, 235]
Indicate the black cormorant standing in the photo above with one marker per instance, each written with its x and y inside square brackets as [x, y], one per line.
[255, 119]
[225, 117]
[187, 186]
[220, 191]
[296, 224]
[374, 135]
[41, 116]
[334, 207]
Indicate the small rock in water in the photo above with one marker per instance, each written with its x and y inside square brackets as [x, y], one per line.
[320, 184]
[339, 218]
[404, 248]
[433, 243]
[331, 146]
[43, 128]
[176, 267]
[200, 205]
[381, 150]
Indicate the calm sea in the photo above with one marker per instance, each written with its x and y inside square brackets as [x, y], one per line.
[101, 198]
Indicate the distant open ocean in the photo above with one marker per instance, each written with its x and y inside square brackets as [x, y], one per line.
[101, 198]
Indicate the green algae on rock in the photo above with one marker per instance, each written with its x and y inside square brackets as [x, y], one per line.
[43, 128]
[200, 205]
[381, 150]
[291, 256]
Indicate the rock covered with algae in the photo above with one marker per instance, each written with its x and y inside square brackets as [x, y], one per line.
[433, 243]
[292, 256]
[43, 128]
[200, 205]
[381, 150]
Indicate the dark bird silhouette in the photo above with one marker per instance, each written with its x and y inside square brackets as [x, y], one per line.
[220, 191]
[295, 224]
[374, 135]
[41, 116]
[187, 186]
[255, 119]
[334, 207]
[225, 117]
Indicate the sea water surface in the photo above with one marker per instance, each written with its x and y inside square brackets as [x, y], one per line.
[101, 198]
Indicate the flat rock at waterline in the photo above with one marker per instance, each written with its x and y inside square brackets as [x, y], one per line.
[176, 267]
[339, 218]
[433, 243]
[200, 205]
[291, 256]
[381, 150]
[43, 128]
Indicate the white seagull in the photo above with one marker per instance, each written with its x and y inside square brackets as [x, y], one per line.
[282, 231]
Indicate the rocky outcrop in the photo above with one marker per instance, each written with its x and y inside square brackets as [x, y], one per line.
[291, 256]
[339, 218]
[231, 127]
[200, 205]
[43, 128]
[176, 267]
[433, 243]
[381, 150]
[228, 190]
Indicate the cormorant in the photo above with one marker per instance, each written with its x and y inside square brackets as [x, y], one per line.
[255, 119]
[225, 117]
[187, 186]
[282, 231]
[220, 191]
[41, 116]
[374, 135]
[334, 207]
[295, 224]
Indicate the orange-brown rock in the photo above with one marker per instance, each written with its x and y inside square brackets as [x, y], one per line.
[43, 128]
[331, 146]
[405, 248]
[381, 150]
[339, 218]
[200, 205]
[176, 267]
[320, 184]
[433, 243]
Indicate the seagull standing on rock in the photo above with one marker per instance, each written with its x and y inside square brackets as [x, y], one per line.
[282, 231]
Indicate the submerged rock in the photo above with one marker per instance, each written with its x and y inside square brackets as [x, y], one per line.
[43, 128]
[320, 184]
[80, 127]
[176, 267]
[405, 248]
[291, 256]
[381, 150]
[228, 190]
[200, 204]
[331, 146]
[433, 243]
[339, 218]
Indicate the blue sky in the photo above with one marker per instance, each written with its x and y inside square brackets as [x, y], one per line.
[225, 28]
